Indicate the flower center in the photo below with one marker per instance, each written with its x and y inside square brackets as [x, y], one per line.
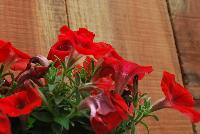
[21, 105]
[66, 46]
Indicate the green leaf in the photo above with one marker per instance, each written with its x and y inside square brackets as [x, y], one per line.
[30, 122]
[140, 115]
[63, 121]
[143, 96]
[63, 65]
[51, 75]
[57, 129]
[133, 129]
[146, 126]
[69, 73]
[43, 116]
[154, 116]
[51, 87]
[1, 96]
[77, 79]
[58, 79]
[58, 99]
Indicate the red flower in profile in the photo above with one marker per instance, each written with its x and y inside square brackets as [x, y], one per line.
[178, 97]
[12, 57]
[107, 111]
[5, 127]
[20, 103]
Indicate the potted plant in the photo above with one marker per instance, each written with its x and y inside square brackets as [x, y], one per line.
[81, 87]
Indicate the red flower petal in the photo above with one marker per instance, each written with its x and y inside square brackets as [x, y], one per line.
[64, 46]
[84, 36]
[102, 49]
[20, 103]
[61, 49]
[20, 54]
[105, 83]
[19, 65]
[11, 56]
[5, 127]
[178, 97]
[174, 92]
[4, 50]
[190, 112]
[122, 71]
[64, 30]
[107, 111]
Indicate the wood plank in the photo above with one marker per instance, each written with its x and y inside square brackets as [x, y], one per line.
[186, 23]
[140, 30]
[32, 25]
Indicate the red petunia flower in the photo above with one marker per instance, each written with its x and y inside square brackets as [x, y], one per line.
[63, 46]
[20, 103]
[107, 111]
[84, 41]
[178, 97]
[12, 57]
[81, 41]
[122, 71]
[5, 127]
[105, 83]
[102, 49]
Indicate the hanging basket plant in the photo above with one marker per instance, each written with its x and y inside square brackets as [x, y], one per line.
[82, 87]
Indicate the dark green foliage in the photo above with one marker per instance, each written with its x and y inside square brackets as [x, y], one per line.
[62, 95]
[142, 108]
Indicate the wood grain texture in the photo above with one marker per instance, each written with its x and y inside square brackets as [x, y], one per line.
[186, 22]
[140, 30]
[31, 25]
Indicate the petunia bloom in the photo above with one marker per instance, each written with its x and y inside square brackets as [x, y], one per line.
[107, 111]
[20, 103]
[177, 97]
[105, 83]
[80, 41]
[122, 71]
[63, 46]
[12, 57]
[5, 127]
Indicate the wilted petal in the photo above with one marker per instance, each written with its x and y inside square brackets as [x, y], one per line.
[107, 111]
[100, 103]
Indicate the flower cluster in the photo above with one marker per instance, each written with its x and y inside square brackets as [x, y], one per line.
[82, 86]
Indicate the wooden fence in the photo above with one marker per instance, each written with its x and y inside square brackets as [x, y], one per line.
[161, 33]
